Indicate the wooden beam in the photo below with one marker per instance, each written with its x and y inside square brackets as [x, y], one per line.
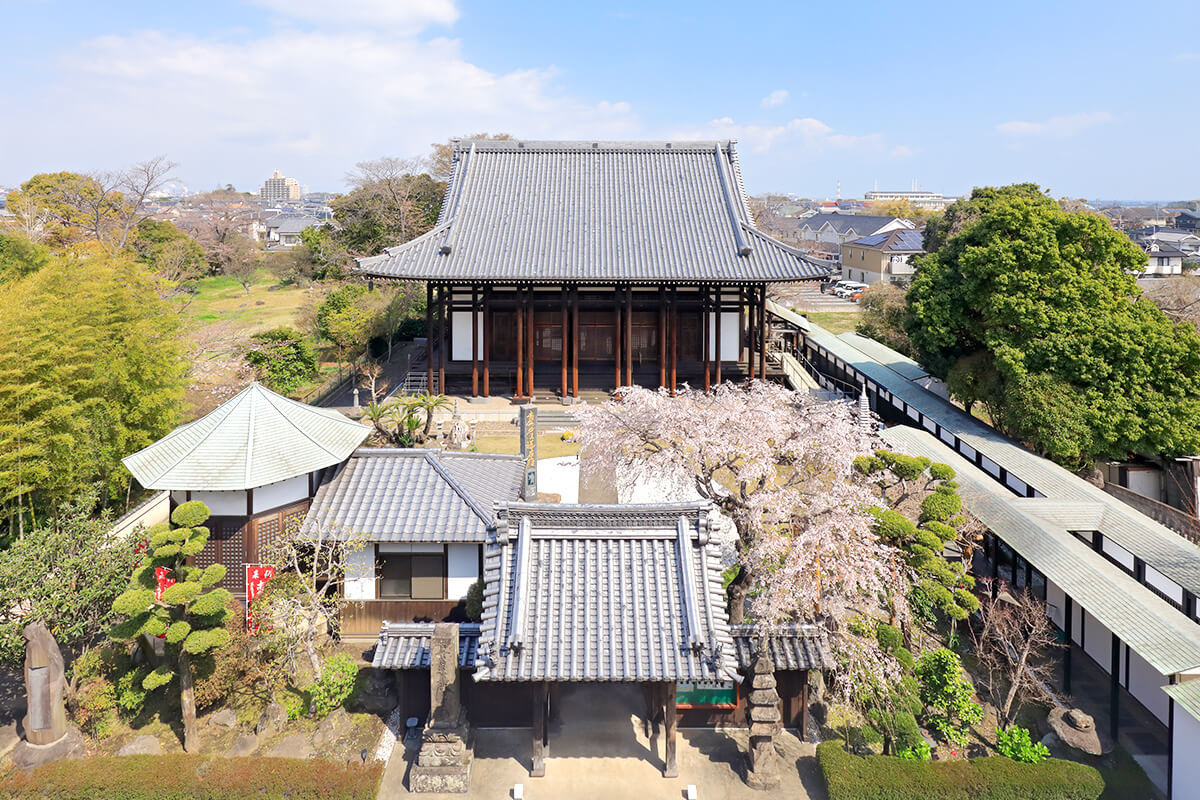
[762, 331]
[443, 301]
[749, 329]
[487, 340]
[717, 343]
[629, 335]
[803, 705]
[520, 345]
[565, 324]
[541, 693]
[574, 343]
[670, 723]
[662, 336]
[529, 341]
[704, 311]
[617, 336]
[674, 314]
[429, 336]
[474, 340]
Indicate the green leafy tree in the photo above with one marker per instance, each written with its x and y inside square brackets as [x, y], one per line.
[895, 717]
[191, 614]
[283, 358]
[65, 573]
[1034, 312]
[19, 256]
[173, 254]
[391, 201]
[948, 696]
[92, 369]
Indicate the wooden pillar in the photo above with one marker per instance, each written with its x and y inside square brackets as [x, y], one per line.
[749, 328]
[671, 767]
[804, 705]
[443, 301]
[629, 335]
[474, 340]
[565, 325]
[1114, 689]
[575, 341]
[1068, 606]
[541, 696]
[704, 312]
[520, 392]
[529, 340]
[429, 336]
[762, 331]
[674, 314]
[717, 343]
[662, 336]
[487, 340]
[617, 335]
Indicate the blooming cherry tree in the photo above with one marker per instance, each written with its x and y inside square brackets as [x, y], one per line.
[779, 464]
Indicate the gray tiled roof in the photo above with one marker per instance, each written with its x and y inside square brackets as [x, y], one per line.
[416, 495]
[586, 212]
[793, 647]
[405, 645]
[903, 241]
[1157, 545]
[1040, 530]
[604, 593]
[859, 224]
[255, 438]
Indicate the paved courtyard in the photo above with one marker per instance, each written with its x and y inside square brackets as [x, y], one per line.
[599, 749]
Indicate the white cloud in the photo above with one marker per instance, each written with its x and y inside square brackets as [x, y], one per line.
[812, 134]
[309, 100]
[1186, 56]
[902, 151]
[1061, 126]
[403, 15]
[775, 98]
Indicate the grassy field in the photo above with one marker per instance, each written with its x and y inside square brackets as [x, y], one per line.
[835, 321]
[269, 304]
[550, 445]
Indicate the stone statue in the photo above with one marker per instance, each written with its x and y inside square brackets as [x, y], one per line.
[460, 432]
[444, 761]
[47, 735]
[765, 720]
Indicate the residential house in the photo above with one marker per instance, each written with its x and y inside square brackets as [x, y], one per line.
[1187, 220]
[283, 230]
[1162, 259]
[1180, 238]
[882, 257]
[837, 228]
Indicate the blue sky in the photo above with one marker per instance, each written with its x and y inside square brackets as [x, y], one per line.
[1079, 97]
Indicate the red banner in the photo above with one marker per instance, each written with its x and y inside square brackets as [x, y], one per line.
[257, 576]
[164, 583]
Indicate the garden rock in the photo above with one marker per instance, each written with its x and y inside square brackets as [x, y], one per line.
[244, 746]
[273, 718]
[144, 745]
[294, 746]
[332, 728]
[28, 756]
[226, 718]
[378, 695]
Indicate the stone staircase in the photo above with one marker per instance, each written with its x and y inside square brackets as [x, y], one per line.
[553, 419]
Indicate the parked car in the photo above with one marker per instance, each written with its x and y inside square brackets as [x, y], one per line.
[846, 288]
[853, 296]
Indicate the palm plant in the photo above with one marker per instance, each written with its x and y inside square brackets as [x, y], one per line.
[430, 403]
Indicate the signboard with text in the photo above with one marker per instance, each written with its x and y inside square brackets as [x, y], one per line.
[528, 427]
[257, 576]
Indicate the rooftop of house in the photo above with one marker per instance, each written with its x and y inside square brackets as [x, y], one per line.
[860, 224]
[255, 438]
[897, 241]
[594, 211]
[403, 495]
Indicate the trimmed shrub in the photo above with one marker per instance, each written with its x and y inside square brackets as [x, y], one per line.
[940, 506]
[338, 675]
[96, 707]
[178, 776]
[1015, 743]
[850, 777]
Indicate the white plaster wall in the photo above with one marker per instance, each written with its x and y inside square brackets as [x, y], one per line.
[230, 504]
[1118, 553]
[990, 467]
[1056, 605]
[1185, 774]
[1016, 484]
[462, 569]
[1146, 482]
[929, 424]
[731, 335]
[1145, 683]
[360, 574]
[967, 451]
[1097, 642]
[460, 336]
[1164, 584]
[1076, 623]
[274, 495]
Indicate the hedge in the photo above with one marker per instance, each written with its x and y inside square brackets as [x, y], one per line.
[177, 776]
[851, 777]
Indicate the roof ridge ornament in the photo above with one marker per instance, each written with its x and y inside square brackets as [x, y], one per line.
[743, 246]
